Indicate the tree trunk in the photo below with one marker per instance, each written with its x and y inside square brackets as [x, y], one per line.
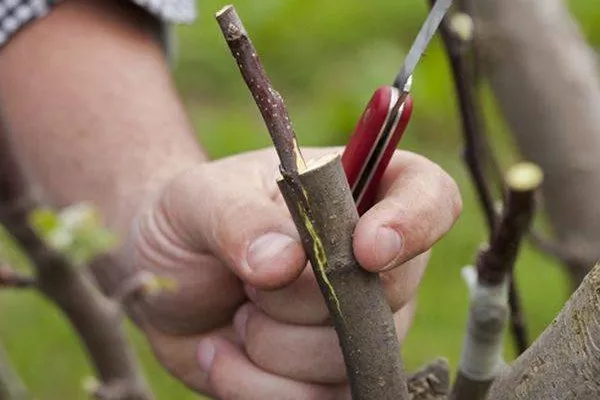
[564, 362]
[546, 81]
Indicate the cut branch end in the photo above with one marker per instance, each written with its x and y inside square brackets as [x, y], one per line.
[223, 10]
[461, 25]
[524, 177]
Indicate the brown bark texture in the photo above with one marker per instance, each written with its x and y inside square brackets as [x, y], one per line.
[268, 100]
[321, 204]
[564, 362]
[432, 382]
[467, 388]
[94, 317]
[481, 359]
[326, 218]
[546, 82]
[477, 154]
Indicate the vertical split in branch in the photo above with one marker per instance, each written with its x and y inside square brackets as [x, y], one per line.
[322, 207]
[481, 359]
[456, 32]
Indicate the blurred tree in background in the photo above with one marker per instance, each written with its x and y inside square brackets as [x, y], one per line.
[326, 58]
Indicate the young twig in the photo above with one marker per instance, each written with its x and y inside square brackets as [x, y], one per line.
[268, 100]
[481, 359]
[90, 313]
[496, 262]
[457, 46]
[322, 207]
[456, 32]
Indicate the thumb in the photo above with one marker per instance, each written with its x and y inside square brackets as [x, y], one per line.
[234, 216]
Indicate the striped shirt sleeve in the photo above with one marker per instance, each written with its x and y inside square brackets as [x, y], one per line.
[16, 14]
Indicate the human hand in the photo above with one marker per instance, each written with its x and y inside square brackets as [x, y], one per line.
[248, 320]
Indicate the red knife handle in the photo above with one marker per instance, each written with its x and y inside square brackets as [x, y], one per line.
[373, 142]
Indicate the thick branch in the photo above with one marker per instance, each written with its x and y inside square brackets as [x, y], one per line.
[546, 81]
[564, 362]
[322, 207]
[91, 314]
[326, 216]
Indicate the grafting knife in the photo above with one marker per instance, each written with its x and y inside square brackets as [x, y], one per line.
[384, 120]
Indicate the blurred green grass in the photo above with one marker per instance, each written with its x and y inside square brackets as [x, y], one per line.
[325, 57]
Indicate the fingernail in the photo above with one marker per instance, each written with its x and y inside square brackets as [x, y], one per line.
[239, 323]
[388, 245]
[206, 354]
[265, 250]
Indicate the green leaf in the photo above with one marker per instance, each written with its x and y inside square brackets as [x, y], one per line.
[44, 221]
[76, 231]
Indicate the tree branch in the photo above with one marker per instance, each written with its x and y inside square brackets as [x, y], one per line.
[90, 313]
[481, 359]
[461, 67]
[321, 204]
[498, 261]
[564, 362]
[545, 79]
[268, 100]
[457, 41]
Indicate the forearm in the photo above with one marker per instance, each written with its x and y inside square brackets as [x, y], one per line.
[87, 98]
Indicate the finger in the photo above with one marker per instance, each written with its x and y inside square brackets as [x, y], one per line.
[228, 209]
[232, 376]
[420, 204]
[302, 302]
[178, 355]
[305, 353]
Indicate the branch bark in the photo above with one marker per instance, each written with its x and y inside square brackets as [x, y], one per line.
[431, 382]
[91, 314]
[461, 55]
[321, 204]
[564, 362]
[546, 81]
[326, 216]
[481, 359]
[268, 100]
